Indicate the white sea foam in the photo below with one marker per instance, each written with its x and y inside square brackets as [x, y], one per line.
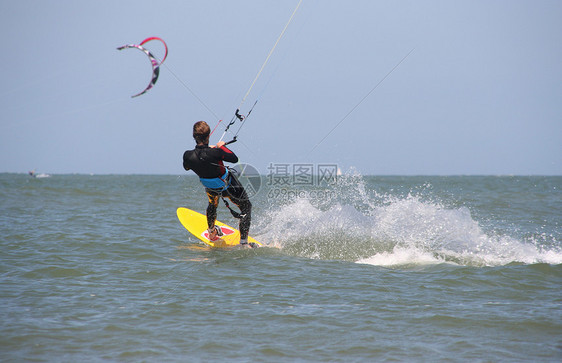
[387, 230]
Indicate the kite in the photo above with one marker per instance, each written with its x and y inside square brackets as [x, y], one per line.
[153, 60]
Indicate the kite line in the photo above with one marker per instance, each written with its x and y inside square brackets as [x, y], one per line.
[362, 99]
[237, 115]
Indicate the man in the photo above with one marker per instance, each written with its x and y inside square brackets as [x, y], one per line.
[207, 162]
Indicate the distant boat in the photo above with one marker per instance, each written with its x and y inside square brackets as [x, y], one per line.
[42, 175]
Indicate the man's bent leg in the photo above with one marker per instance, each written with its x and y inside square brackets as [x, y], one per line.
[238, 196]
[212, 208]
[245, 218]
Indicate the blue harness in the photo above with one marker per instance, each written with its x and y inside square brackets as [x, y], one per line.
[218, 183]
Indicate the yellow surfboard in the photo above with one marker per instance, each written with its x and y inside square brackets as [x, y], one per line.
[196, 223]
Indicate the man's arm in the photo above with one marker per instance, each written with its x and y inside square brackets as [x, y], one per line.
[185, 165]
[227, 154]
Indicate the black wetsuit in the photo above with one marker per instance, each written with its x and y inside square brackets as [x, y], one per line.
[207, 163]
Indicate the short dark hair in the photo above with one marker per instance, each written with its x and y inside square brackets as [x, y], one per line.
[201, 131]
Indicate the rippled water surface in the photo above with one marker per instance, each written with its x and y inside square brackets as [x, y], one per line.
[98, 268]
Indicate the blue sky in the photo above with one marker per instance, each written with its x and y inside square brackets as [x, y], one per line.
[480, 93]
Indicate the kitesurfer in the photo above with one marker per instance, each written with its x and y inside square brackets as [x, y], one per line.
[207, 162]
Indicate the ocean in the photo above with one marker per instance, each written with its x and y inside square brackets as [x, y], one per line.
[357, 268]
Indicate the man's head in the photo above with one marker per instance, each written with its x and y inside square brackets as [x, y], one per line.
[201, 131]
